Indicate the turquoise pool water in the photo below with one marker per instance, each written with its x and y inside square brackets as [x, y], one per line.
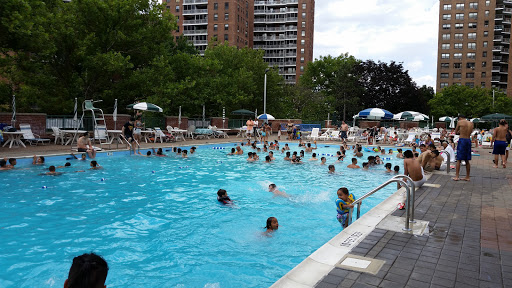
[166, 229]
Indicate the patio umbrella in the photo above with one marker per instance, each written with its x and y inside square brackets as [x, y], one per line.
[403, 115]
[452, 123]
[75, 111]
[445, 119]
[242, 112]
[144, 106]
[223, 116]
[179, 118]
[114, 115]
[477, 120]
[375, 114]
[496, 117]
[266, 117]
[13, 119]
[204, 114]
[418, 118]
[256, 113]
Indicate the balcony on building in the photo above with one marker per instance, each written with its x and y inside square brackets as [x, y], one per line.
[495, 69]
[187, 2]
[195, 32]
[504, 51]
[507, 11]
[497, 38]
[495, 79]
[497, 48]
[276, 2]
[195, 11]
[498, 27]
[195, 22]
[498, 17]
[506, 20]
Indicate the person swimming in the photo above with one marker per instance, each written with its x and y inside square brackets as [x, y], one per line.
[222, 197]
[343, 205]
[388, 167]
[273, 188]
[271, 226]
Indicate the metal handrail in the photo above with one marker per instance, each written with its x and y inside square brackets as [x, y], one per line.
[448, 160]
[397, 179]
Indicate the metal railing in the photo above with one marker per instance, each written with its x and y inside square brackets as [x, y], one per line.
[409, 203]
[448, 160]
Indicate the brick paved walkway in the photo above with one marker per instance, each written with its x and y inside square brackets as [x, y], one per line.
[469, 243]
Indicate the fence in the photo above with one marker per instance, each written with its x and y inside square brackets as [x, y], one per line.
[303, 127]
[67, 122]
[236, 123]
[199, 123]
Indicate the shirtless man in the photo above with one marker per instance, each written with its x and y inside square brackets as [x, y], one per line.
[344, 130]
[250, 126]
[273, 188]
[499, 138]
[239, 151]
[464, 129]
[359, 153]
[354, 164]
[384, 132]
[309, 149]
[413, 169]
[84, 145]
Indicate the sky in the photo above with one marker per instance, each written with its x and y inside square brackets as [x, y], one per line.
[381, 30]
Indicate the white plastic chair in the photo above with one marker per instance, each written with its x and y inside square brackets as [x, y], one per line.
[58, 135]
[410, 138]
[314, 134]
[31, 137]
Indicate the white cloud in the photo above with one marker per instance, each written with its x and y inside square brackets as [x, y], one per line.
[399, 30]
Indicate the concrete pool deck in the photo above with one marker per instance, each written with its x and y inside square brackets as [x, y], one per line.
[468, 241]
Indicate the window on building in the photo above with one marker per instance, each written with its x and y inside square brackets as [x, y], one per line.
[447, 7]
[445, 75]
[459, 25]
[445, 65]
[303, 5]
[215, 17]
[472, 45]
[484, 54]
[471, 55]
[446, 36]
[458, 16]
[457, 65]
[301, 50]
[482, 84]
[226, 5]
[484, 64]
[215, 27]
[472, 35]
[303, 24]
[303, 33]
[302, 42]
[178, 29]
[226, 27]
[446, 26]
[177, 8]
[226, 16]
[445, 56]
[301, 59]
[485, 43]
[470, 84]
[215, 6]
[445, 46]
[448, 16]
[483, 75]
[301, 68]
[459, 6]
[457, 55]
[473, 15]
[303, 15]
[487, 2]
[226, 37]
[457, 46]
[473, 5]
[444, 85]
[472, 25]
[486, 33]
[457, 75]
[487, 13]
[470, 65]
[486, 23]
[459, 36]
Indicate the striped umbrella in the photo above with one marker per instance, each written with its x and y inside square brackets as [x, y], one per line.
[445, 119]
[266, 117]
[477, 120]
[375, 114]
[144, 106]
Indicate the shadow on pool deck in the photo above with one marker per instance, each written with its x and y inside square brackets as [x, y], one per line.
[469, 243]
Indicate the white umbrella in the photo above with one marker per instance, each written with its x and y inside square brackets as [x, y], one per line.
[408, 114]
[13, 119]
[266, 117]
[145, 107]
[452, 123]
[179, 119]
[114, 115]
[418, 118]
[75, 111]
[445, 119]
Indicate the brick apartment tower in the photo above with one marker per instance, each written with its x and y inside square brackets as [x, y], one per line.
[474, 42]
[282, 28]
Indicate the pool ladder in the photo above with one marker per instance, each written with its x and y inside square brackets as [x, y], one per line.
[410, 188]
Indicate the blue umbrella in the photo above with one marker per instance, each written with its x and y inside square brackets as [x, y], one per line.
[266, 117]
[375, 114]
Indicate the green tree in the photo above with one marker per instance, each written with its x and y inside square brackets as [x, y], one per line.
[471, 102]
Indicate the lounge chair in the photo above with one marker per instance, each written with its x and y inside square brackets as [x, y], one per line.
[335, 135]
[218, 133]
[30, 137]
[410, 138]
[314, 134]
[58, 135]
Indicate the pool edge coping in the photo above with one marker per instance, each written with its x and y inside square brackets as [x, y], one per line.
[318, 264]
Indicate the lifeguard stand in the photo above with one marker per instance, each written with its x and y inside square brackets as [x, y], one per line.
[98, 118]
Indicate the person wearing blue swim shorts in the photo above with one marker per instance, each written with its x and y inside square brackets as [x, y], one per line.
[499, 138]
[464, 129]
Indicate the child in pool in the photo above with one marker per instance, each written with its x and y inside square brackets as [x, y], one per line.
[273, 188]
[343, 204]
[388, 168]
[272, 226]
[222, 197]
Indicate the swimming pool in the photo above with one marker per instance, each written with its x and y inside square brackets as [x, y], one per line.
[166, 229]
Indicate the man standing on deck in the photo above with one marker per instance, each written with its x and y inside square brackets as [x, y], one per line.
[499, 139]
[127, 132]
[250, 126]
[344, 130]
[464, 129]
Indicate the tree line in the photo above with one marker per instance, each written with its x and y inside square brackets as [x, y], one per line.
[53, 52]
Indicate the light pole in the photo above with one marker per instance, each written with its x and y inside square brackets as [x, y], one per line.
[265, 92]
[345, 100]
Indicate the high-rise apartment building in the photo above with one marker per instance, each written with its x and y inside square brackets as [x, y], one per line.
[474, 42]
[282, 28]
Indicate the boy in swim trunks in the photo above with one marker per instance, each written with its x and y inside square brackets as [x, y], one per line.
[464, 129]
[343, 205]
[222, 197]
[500, 143]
